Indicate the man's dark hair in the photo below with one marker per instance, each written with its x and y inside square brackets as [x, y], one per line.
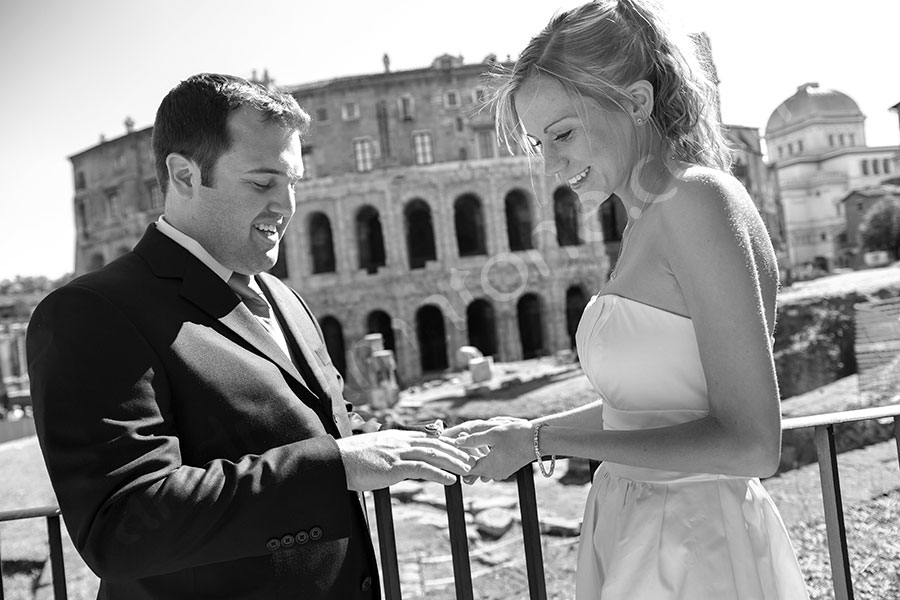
[192, 119]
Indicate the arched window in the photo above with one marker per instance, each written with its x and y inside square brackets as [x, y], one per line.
[575, 303]
[334, 341]
[370, 239]
[531, 328]
[321, 243]
[432, 338]
[565, 209]
[419, 233]
[482, 326]
[379, 321]
[518, 220]
[469, 220]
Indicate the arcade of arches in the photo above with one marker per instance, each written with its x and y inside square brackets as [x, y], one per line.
[469, 229]
[429, 337]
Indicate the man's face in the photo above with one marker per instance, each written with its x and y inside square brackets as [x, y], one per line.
[240, 219]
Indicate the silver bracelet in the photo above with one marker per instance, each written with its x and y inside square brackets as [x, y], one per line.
[536, 440]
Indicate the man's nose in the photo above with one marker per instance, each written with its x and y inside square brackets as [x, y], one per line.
[284, 202]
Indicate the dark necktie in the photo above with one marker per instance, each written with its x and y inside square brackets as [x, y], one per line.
[250, 297]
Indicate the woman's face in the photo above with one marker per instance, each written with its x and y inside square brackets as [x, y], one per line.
[592, 149]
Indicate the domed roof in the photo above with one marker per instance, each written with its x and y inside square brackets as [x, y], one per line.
[810, 102]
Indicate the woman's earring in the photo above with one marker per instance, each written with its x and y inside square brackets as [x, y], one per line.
[639, 122]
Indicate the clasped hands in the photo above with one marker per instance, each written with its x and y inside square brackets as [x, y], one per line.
[490, 450]
[500, 445]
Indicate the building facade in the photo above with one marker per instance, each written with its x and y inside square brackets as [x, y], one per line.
[116, 197]
[856, 204]
[411, 221]
[817, 147]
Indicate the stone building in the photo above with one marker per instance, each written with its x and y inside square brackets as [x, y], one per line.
[411, 221]
[14, 384]
[817, 146]
[116, 197]
[856, 204]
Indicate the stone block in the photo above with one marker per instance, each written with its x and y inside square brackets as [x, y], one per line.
[560, 527]
[481, 369]
[406, 491]
[465, 354]
[493, 523]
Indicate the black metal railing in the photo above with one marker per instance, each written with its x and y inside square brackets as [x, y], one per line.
[57, 568]
[823, 426]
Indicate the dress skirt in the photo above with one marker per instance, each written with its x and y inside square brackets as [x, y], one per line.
[658, 535]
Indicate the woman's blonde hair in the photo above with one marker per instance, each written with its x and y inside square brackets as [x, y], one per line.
[597, 50]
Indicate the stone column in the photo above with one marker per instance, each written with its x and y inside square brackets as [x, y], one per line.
[343, 233]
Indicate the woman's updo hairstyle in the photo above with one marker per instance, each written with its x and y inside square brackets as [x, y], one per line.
[598, 49]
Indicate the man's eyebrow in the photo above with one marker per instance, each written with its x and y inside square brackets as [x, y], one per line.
[267, 171]
[270, 171]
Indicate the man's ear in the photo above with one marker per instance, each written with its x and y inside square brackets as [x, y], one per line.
[184, 175]
[641, 106]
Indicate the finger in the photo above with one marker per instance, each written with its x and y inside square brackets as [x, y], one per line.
[427, 472]
[467, 428]
[448, 449]
[504, 419]
[485, 438]
[458, 463]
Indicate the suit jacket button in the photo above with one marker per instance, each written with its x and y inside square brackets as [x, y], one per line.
[273, 544]
[315, 533]
[302, 537]
[366, 584]
[287, 541]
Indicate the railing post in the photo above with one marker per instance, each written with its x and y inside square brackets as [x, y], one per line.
[834, 512]
[531, 533]
[57, 566]
[459, 541]
[387, 544]
[1, 578]
[897, 436]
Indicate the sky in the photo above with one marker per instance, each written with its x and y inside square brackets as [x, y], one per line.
[72, 71]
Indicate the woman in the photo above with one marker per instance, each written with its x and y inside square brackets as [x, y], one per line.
[678, 342]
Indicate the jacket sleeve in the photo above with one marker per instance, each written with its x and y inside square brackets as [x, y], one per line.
[106, 421]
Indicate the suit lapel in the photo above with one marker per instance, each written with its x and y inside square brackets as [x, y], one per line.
[210, 293]
[298, 324]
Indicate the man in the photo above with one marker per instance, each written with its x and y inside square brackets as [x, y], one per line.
[192, 422]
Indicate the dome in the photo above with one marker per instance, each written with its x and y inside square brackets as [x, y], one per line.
[810, 102]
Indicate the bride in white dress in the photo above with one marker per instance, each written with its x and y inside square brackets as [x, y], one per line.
[678, 343]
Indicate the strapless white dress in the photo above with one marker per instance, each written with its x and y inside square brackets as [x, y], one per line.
[650, 534]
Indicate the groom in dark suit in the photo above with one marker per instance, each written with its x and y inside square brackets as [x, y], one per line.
[191, 419]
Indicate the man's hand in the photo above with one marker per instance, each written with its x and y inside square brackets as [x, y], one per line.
[378, 460]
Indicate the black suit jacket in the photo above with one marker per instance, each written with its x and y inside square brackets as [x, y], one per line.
[190, 457]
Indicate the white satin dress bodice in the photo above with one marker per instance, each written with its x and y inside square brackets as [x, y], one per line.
[652, 534]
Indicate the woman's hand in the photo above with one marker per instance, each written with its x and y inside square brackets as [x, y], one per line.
[508, 439]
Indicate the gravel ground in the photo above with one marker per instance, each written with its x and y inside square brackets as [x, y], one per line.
[870, 479]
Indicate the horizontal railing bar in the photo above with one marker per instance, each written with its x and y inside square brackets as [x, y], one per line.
[29, 513]
[846, 416]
